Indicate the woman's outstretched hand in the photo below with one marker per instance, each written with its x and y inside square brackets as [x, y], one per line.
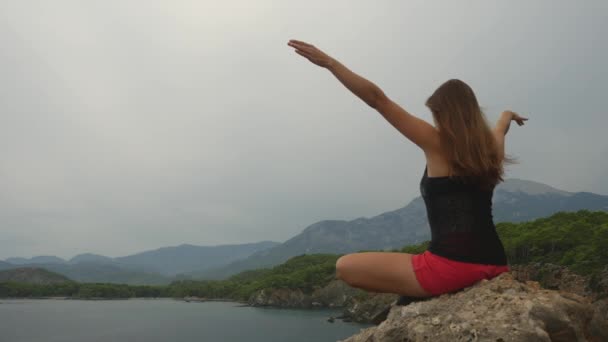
[311, 53]
[515, 117]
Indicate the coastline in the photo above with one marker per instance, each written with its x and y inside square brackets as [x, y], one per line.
[130, 298]
[330, 318]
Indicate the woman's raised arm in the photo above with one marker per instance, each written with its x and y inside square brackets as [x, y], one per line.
[417, 130]
[364, 89]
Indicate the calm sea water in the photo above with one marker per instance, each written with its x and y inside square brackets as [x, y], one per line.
[163, 320]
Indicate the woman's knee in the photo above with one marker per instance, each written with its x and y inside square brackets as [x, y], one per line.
[343, 266]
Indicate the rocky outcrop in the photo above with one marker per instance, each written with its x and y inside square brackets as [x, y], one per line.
[501, 309]
[369, 309]
[374, 307]
[553, 277]
[599, 284]
[282, 297]
[335, 294]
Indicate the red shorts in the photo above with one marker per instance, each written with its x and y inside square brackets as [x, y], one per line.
[438, 275]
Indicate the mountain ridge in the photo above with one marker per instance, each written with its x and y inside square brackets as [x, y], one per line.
[32, 275]
[514, 200]
[157, 266]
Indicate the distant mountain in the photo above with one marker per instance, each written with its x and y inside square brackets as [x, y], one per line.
[515, 200]
[150, 267]
[519, 200]
[91, 258]
[392, 229]
[170, 261]
[43, 259]
[31, 275]
[104, 273]
[97, 270]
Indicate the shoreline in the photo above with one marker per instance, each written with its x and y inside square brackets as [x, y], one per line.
[334, 313]
[129, 298]
[199, 300]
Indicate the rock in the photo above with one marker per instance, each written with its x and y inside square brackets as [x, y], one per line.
[282, 297]
[599, 284]
[501, 309]
[371, 307]
[553, 277]
[402, 300]
[194, 299]
[600, 316]
[335, 294]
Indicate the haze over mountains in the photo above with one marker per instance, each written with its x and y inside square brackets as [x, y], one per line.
[514, 200]
[149, 267]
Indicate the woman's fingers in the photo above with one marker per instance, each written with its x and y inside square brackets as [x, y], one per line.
[295, 44]
[309, 51]
[301, 46]
[305, 55]
[299, 42]
[299, 52]
[306, 49]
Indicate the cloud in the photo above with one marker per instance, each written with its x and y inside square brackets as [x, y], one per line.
[128, 125]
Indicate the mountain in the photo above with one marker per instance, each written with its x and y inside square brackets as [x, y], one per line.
[149, 267]
[515, 200]
[170, 261]
[32, 275]
[91, 258]
[392, 229]
[43, 259]
[5, 265]
[520, 200]
[104, 273]
[92, 271]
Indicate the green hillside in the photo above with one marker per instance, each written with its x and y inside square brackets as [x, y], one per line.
[31, 275]
[306, 272]
[578, 240]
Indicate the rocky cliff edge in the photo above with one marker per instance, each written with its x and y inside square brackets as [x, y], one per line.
[499, 310]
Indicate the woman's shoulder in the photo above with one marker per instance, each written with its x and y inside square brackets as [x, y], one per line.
[437, 164]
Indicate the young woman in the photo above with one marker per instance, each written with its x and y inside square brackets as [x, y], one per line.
[464, 162]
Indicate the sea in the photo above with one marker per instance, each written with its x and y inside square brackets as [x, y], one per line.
[151, 320]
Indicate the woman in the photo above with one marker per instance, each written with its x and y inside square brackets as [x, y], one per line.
[464, 162]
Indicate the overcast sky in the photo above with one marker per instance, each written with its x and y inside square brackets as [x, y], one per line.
[131, 125]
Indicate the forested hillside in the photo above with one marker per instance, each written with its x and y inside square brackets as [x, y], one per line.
[578, 240]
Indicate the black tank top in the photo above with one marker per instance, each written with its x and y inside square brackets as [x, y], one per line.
[460, 216]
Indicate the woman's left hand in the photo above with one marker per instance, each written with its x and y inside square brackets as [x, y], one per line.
[313, 54]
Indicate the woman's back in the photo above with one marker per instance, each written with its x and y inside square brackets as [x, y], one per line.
[460, 217]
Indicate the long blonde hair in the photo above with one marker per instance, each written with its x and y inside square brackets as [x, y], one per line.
[465, 135]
